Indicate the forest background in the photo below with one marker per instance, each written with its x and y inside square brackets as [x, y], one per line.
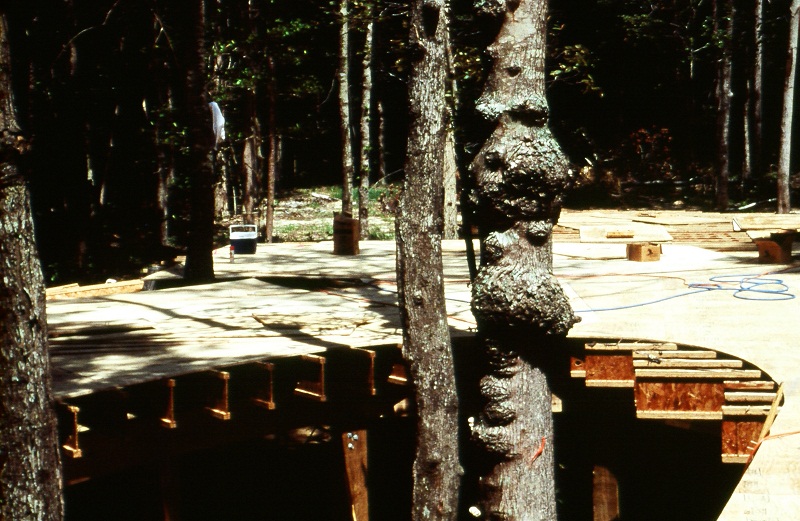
[670, 103]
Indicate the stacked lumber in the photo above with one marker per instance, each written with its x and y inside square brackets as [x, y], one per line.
[674, 383]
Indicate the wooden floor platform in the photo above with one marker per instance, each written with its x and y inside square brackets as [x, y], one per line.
[281, 315]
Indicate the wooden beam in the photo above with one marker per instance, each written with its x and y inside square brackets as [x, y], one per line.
[168, 420]
[219, 401]
[678, 363]
[694, 354]
[630, 346]
[746, 410]
[676, 399]
[265, 397]
[605, 495]
[312, 382]
[71, 445]
[750, 397]
[612, 369]
[719, 374]
[354, 444]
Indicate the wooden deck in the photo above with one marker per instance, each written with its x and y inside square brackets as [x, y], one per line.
[114, 341]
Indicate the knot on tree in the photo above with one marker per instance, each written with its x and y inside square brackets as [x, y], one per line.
[520, 176]
[494, 440]
[502, 361]
[515, 289]
[499, 413]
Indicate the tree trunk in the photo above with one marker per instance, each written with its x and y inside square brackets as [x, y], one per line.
[450, 170]
[450, 190]
[344, 108]
[521, 175]
[426, 339]
[366, 126]
[190, 51]
[272, 159]
[757, 98]
[30, 465]
[785, 155]
[723, 25]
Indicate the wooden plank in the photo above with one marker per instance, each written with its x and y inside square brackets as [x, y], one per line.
[749, 397]
[773, 412]
[751, 385]
[680, 415]
[723, 374]
[219, 401]
[354, 445]
[685, 399]
[614, 368]
[766, 222]
[669, 363]
[577, 368]
[96, 290]
[605, 494]
[630, 346]
[311, 384]
[739, 436]
[746, 410]
[696, 354]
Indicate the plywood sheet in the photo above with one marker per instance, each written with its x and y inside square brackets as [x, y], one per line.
[790, 221]
[666, 395]
[625, 233]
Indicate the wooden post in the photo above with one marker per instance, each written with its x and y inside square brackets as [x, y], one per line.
[605, 495]
[354, 444]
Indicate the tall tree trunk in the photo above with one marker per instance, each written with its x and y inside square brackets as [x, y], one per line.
[426, 338]
[450, 185]
[190, 53]
[30, 465]
[785, 155]
[344, 108]
[450, 168]
[366, 125]
[757, 98]
[521, 175]
[723, 25]
[273, 157]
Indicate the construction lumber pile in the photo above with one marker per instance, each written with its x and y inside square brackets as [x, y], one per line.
[683, 384]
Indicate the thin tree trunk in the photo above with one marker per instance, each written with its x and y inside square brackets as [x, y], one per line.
[723, 20]
[785, 155]
[272, 159]
[426, 339]
[758, 92]
[521, 175]
[450, 170]
[366, 126]
[344, 108]
[30, 464]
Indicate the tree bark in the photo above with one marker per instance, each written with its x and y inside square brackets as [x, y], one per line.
[723, 25]
[344, 108]
[785, 154]
[521, 176]
[272, 158]
[757, 137]
[450, 170]
[190, 51]
[426, 339]
[366, 125]
[30, 465]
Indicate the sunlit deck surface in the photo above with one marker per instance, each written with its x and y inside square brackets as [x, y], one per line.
[258, 311]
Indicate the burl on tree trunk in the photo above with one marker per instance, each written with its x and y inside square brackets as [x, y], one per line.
[521, 176]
